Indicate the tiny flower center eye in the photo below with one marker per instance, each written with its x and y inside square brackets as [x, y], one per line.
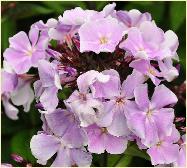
[141, 49]
[159, 143]
[30, 52]
[103, 40]
[104, 130]
[120, 100]
[151, 71]
[149, 113]
[82, 96]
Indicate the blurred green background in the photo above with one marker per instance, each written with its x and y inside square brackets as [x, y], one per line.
[17, 16]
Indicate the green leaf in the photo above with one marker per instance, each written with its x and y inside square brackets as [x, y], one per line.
[8, 28]
[25, 10]
[124, 161]
[53, 43]
[9, 126]
[64, 93]
[133, 150]
[119, 160]
[101, 5]
[20, 144]
[57, 6]
[177, 14]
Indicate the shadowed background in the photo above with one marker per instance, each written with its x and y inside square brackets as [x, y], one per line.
[18, 16]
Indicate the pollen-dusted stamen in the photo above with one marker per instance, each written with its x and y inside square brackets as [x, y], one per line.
[149, 113]
[103, 40]
[104, 130]
[30, 52]
[120, 100]
[152, 71]
[82, 96]
[159, 144]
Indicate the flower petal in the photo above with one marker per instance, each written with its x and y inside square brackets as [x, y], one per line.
[168, 97]
[141, 96]
[44, 146]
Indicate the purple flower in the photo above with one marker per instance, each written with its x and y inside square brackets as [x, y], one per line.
[144, 42]
[164, 151]
[102, 35]
[181, 159]
[151, 117]
[78, 16]
[118, 97]
[47, 87]
[24, 51]
[100, 140]
[132, 18]
[108, 10]
[145, 67]
[66, 139]
[17, 90]
[168, 71]
[150, 42]
[87, 108]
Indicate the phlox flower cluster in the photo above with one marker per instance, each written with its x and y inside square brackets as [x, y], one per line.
[109, 60]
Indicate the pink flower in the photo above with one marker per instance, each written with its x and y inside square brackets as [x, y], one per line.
[25, 52]
[102, 35]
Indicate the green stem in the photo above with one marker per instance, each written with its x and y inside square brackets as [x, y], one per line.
[104, 159]
[117, 161]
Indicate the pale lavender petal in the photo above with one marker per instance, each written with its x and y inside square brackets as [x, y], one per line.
[168, 71]
[10, 110]
[181, 159]
[124, 17]
[141, 96]
[38, 89]
[59, 121]
[63, 158]
[85, 80]
[144, 17]
[134, 14]
[33, 35]
[140, 65]
[81, 157]
[171, 41]
[18, 60]
[151, 133]
[118, 126]
[46, 72]
[107, 117]
[20, 41]
[173, 137]
[8, 81]
[75, 136]
[154, 79]
[43, 146]
[168, 97]
[138, 128]
[134, 42]
[109, 89]
[94, 37]
[23, 95]
[115, 145]
[95, 141]
[49, 99]
[108, 9]
[151, 33]
[130, 83]
[164, 120]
